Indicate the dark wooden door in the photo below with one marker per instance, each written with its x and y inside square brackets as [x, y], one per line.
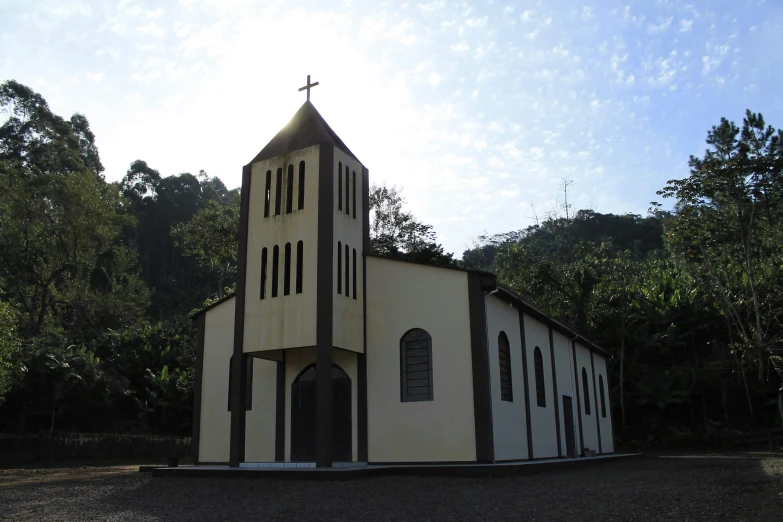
[568, 418]
[303, 415]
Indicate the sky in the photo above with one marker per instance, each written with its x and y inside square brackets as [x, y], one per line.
[478, 111]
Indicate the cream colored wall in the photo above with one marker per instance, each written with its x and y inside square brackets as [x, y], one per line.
[589, 429]
[348, 324]
[215, 417]
[510, 433]
[542, 420]
[260, 420]
[297, 360]
[564, 363]
[605, 423]
[282, 321]
[404, 296]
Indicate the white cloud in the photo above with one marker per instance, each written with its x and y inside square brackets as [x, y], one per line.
[476, 22]
[661, 27]
[685, 25]
[434, 79]
[587, 13]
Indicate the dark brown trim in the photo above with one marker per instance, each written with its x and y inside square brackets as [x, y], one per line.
[238, 414]
[556, 397]
[526, 379]
[195, 440]
[361, 407]
[482, 392]
[611, 410]
[596, 410]
[578, 399]
[280, 412]
[361, 399]
[324, 306]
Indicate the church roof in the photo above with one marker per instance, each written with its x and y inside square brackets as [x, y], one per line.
[306, 128]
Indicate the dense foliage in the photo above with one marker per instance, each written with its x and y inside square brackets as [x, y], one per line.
[97, 280]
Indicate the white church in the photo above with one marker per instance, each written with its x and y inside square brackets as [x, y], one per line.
[329, 354]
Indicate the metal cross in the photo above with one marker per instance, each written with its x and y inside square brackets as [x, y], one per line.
[308, 87]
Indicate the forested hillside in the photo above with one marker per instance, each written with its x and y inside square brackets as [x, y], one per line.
[97, 280]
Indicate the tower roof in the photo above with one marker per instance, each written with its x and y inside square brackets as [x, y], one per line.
[305, 129]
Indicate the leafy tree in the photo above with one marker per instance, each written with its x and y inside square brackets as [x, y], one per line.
[9, 346]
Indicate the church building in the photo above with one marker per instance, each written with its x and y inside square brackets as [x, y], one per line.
[329, 354]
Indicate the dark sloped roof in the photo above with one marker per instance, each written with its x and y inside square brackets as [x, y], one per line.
[306, 128]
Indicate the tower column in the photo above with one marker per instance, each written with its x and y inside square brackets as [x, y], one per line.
[324, 307]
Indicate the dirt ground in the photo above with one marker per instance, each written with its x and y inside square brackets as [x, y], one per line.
[746, 486]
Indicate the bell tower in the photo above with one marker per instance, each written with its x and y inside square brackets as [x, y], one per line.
[303, 233]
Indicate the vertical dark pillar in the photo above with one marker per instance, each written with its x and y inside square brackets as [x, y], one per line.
[200, 324]
[280, 412]
[238, 367]
[482, 392]
[578, 401]
[525, 378]
[557, 397]
[325, 292]
[609, 406]
[596, 410]
[361, 400]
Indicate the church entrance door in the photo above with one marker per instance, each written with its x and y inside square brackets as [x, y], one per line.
[303, 415]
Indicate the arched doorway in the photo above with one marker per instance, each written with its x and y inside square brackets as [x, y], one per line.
[303, 415]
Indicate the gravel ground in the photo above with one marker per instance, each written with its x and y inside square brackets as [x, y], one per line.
[739, 486]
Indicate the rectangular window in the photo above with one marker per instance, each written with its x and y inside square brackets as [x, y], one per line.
[275, 262]
[347, 191]
[301, 184]
[339, 267]
[339, 186]
[299, 266]
[353, 194]
[347, 271]
[354, 273]
[263, 273]
[267, 192]
[278, 191]
[289, 191]
[287, 270]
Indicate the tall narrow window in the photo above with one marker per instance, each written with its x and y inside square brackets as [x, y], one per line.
[353, 193]
[263, 273]
[354, 273]
[416, 366]
[347, 271]
[603, 397]
[339, 186]
[278, 190]
[299, 266]
[275, 262]
[289, 191]
[538, 364]
[339, 267]
[248, 384]
[301, 184]
[504, 356]
[287, 270]
[267, 192]
[347, 191]
[586, 391]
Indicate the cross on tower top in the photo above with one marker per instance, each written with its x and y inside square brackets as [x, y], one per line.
[308, 87]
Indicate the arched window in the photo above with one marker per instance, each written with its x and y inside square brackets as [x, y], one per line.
[504, 356]
[416, 366]
[267, 192]
[248, 384]
[339, 267]
[287, 270]
[347, 271]
[340, 186]
[299, 266]
[289, 191]
[586, 390]
[301, 184]
[538, 366]
[353, 193]
[603, 398]
[278, 190]
[354, 273]
[275, 263]
[263, 273]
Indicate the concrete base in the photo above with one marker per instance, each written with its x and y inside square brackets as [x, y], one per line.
[345, 470]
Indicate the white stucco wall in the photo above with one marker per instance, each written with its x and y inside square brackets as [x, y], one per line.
[348, 323]
[284, 321]
[215, 423]
[297, 360]
[564, 363]
[605, 423]
[260, 420]
[542, 420]
[589, 428]
[508, 418]
[403, 296]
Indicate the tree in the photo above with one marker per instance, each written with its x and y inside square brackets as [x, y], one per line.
[9, 346]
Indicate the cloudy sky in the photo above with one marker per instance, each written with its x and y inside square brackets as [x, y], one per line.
[478, 110]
